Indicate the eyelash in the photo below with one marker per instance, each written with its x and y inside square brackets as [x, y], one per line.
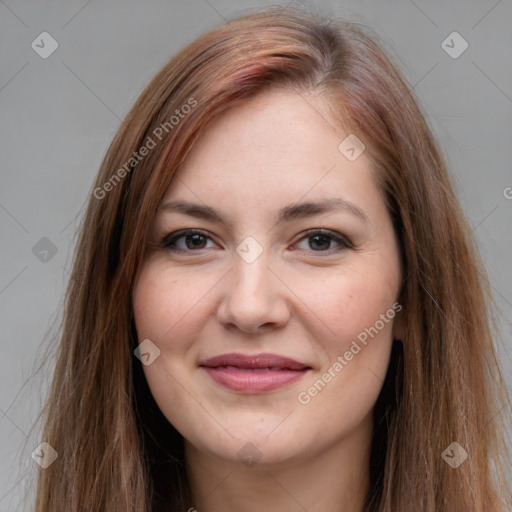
[169, 241]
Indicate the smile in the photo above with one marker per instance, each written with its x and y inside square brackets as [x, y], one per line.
[253, 374]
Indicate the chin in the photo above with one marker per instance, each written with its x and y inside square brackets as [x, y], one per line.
[250, 446]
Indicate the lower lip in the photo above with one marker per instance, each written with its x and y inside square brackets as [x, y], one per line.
[253, 381]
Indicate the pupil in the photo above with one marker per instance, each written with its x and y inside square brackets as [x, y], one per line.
[326, 240]
[196, 239]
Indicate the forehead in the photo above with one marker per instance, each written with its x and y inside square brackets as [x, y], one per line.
[276, 128]
[278, 147]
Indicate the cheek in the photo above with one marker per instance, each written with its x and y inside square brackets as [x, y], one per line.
[358, 321]
[349, 303]
[165, 306]
[355, 311]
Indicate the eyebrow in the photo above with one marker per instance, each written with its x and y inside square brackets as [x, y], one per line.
[286, 214]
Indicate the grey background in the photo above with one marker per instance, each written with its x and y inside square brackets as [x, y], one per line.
[59, 115]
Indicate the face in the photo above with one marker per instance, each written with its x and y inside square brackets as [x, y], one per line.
[274, 319]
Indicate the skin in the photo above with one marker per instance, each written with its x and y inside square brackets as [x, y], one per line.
[301, 298]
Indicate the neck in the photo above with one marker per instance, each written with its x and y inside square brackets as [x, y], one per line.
[335, 479]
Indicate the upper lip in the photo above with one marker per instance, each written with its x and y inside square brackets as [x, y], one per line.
[272, 361]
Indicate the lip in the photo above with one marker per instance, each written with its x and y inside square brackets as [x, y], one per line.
[254, 374]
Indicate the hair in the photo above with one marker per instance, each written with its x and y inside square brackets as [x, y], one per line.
[117, 451]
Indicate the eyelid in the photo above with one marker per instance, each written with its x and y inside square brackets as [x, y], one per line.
[343, 241]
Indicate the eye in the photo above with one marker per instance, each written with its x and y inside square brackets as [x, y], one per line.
[192, 240]
[185, 241]
[320, 240]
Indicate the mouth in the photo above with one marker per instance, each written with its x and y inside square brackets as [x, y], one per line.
[253, 374]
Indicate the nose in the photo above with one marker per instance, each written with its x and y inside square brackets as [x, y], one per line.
[254, 298]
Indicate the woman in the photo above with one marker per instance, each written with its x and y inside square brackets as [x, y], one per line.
[276, 302]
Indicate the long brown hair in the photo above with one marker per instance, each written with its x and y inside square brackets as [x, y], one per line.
[116, 450]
